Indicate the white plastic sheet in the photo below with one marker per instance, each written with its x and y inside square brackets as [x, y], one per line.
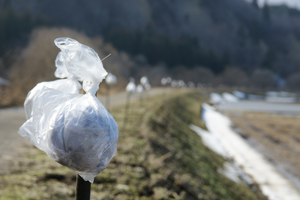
[174, 83]
[181, 83]
[191, 84]
[229, 97]
[164, 81]
[131, 86]
[73, 129]
[144, 80]
[215, 98]
[139, 88]
[111, 79]
[147, 86]
[169, 80]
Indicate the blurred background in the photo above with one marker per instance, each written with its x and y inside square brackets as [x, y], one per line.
[224, 43]
[242, 54]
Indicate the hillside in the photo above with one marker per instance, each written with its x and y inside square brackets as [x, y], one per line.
[159, 157]
[214, 34]
[36, 63]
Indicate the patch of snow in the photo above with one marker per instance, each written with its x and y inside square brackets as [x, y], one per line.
[229, 97]
[215, 98]
[230, 169]
[270, 181]
[210, 140]
[240, 95]
[230, 172]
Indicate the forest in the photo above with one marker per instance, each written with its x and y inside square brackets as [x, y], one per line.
[221, 39]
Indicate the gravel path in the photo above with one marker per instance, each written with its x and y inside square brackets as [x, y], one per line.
[11, 143]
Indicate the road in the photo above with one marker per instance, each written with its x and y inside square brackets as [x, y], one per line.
[260, 106]
[11, 119]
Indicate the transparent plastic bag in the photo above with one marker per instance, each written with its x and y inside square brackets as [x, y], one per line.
[81, 61]
[69, 86]
[84, 137]
[111, 79]
[139, 88]
[43, 109]
[73, 129]
[131, 86]
[144, 80]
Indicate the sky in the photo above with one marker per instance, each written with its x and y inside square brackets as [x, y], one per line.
[290, 3]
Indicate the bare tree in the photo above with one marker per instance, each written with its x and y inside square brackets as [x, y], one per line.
[233, 76]
[263, 79]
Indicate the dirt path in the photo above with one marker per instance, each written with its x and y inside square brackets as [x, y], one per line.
[11, 143]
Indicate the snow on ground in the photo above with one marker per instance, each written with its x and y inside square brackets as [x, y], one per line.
[215, 98]
[229, 97]
[211, 140]
[230, 169]
[229, 143]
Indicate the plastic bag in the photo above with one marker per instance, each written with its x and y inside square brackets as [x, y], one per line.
[44, 105]
[82, 62]
[131, 86]
[73, 129]
[70, 86]
[144, 80]
[169, 80]
[111, 79]
[84, 137]
[164, 81]
[174, 83]
[147, 86]
[139, 88]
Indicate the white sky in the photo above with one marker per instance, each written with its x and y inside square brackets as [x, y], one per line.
[290, 3]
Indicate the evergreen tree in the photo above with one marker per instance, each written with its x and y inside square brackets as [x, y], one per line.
[266, 12]
[255, 4]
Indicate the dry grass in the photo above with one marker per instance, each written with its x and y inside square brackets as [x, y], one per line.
[159, 157]
[276, 136]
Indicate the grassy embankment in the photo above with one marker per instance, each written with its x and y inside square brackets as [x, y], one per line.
[158, 157]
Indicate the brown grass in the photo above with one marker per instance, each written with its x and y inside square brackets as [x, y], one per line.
[159, 157]
[278, 137]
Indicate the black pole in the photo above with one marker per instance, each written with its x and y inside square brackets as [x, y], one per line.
[83, 189]
[126, 109]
